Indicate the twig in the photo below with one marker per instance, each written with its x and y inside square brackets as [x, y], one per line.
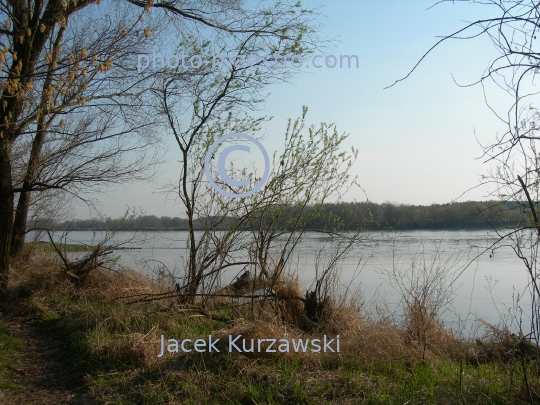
[525, 378]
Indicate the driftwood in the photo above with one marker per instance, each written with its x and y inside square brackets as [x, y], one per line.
[243, 282]
[241, 287]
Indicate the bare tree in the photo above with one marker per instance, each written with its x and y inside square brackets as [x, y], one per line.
[201, 105]
[75, 139]
[32, 59]
[262, 230]
[513, 156]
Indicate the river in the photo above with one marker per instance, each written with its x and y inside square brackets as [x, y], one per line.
[482, 286]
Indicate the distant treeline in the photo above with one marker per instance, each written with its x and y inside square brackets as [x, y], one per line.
[457, 215]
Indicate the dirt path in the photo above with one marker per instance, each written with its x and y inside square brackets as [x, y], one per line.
[42, 374]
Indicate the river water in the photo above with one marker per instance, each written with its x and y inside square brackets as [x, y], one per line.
[485, 286]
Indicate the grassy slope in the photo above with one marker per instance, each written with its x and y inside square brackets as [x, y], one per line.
[114, 346]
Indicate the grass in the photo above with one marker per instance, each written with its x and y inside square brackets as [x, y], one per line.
[115, 346]
[9, 345]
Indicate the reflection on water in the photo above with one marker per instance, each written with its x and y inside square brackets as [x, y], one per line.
[486, 285]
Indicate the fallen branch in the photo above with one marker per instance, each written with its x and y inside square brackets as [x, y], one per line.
[174, 293]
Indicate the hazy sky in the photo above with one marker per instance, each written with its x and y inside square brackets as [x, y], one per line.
[416, 140]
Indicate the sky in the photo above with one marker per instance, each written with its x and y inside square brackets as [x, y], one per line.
[418, 141]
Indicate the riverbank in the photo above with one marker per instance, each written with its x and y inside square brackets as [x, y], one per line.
[101, 344]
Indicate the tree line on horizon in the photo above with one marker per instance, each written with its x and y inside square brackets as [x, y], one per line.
[370, 215]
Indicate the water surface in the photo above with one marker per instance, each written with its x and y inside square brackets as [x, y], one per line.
[483, 285]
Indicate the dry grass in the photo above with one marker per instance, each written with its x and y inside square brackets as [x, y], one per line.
[132, 331]
[42, 273]
[289, 294]
[425, 332]
[499, 344]
[257, 330]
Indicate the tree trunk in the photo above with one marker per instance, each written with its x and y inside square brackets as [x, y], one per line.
[21, 213]
[6, 213]
[19, 224]
[194, 278]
